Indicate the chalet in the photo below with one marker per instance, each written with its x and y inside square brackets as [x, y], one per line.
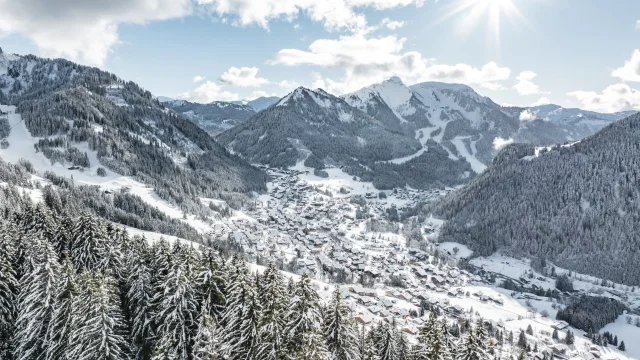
[560, 325]
[365, 318]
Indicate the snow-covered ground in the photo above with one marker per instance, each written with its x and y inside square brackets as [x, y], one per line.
[449, 247]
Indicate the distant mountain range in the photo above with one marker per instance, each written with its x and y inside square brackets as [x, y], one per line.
[214, 117]
[432, 125]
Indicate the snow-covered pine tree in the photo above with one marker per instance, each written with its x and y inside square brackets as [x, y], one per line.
[273, 315]
[177, 312]
[403, 348]
[36, 301]
[426, 333]
[339, 329]
[90, 247]
[387, 345]
[99, 331]
[312, 346]
[8, 291]
[211, 283]
[481, 334]
[438, 348]
[139, 302]
[237, 297]
[60, 327]
[366, 348]
[470, 348]
[304, 311]
[63, 235]
[249, 344]
[164, 350]
[207, 344]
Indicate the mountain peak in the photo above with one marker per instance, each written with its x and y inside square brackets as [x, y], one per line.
[394, 80]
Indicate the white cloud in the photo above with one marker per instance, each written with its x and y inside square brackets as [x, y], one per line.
[196, 79]
[287, 84]
[499, 143]
[630, 71]
[83, 31]
[542, 101]
[243, 77]
[257, 94]
[525, 85]
[527, 115]
[208, 92]
[367, 60]
[390, 24]
[638, 24]
[618, 97]
[333, 14]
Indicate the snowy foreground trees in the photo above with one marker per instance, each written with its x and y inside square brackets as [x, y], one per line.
[75, 288]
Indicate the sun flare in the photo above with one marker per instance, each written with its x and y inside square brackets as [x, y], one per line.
[469, 14]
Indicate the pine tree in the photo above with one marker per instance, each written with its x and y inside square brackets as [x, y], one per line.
[438, 348]
[62, 323]
[208, 340]
[522, 340]
[470, 348]
[139, 301]
[339, 329]
[272, 315]
[569, 339]
[63, 235]
[529, 330]
[90, 247]
[99, 331]
[622, 346]
[236, 301]
[366, 349]
[312, 346]
[8, 291]
[304, 311]
[403, 348]
[249, 345]
[36, 301]
[387, 346]
[176, 315]
[555, 335]
[211, 283]
[481, 334]
[421, 350]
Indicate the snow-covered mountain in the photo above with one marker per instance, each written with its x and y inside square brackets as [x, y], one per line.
[262, 102]
[324, 130]
[314, 120]
[453, 115]
[80, 119]
[470, 126]
[214, 117]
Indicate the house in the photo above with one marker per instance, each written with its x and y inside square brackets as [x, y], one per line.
[560, 325]
[365, 318]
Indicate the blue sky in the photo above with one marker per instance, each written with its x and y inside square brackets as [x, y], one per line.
[578, 53]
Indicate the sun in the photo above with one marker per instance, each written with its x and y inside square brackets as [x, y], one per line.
[469, 14]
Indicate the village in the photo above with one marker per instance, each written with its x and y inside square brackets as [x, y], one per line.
[324, 229]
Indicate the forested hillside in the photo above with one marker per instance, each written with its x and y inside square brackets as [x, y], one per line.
[67, 105]
[576, 205]
[73, 287]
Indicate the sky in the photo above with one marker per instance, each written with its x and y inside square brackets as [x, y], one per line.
[574, 53]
